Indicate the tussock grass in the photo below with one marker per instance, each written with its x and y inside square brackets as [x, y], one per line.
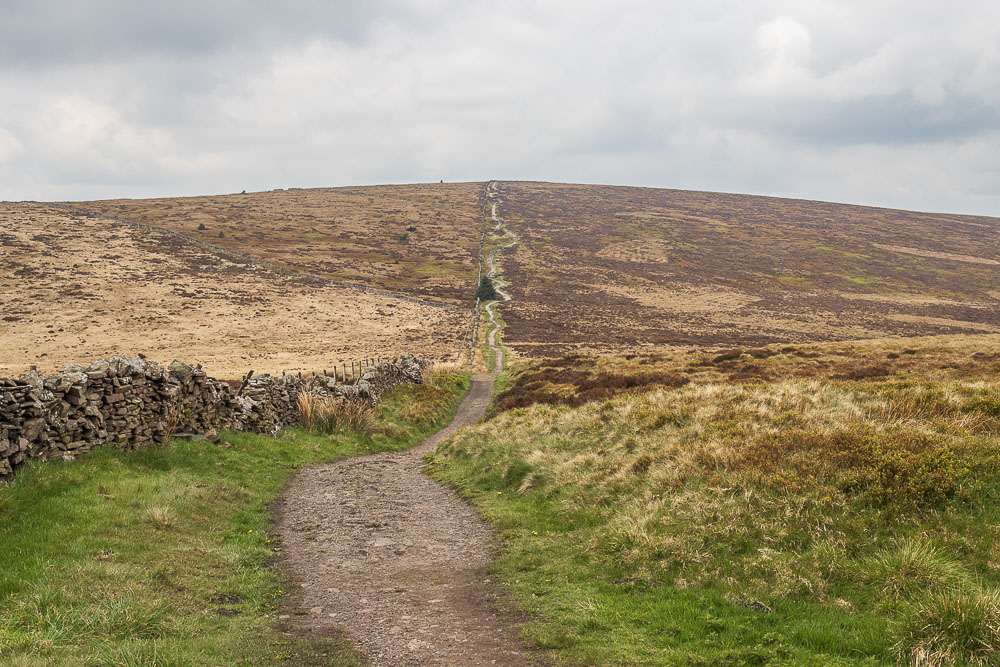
[439, 369]
[951, 627]
[159, 555]
[905, 571]
[851, 509]
[328, 414]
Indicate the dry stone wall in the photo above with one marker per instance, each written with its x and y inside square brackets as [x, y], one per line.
[127, 403]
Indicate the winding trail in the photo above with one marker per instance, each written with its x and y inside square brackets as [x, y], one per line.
[381, 550]
[498, 283]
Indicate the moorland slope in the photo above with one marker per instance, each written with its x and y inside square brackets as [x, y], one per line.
[75, 288]
[419, 239]
[827, 504]
[610, 268]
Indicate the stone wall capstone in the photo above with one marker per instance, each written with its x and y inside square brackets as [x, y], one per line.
[127, 403]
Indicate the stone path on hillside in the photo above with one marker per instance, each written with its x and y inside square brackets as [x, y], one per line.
[394, 558]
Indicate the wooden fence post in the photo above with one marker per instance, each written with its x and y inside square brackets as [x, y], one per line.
[246, 380]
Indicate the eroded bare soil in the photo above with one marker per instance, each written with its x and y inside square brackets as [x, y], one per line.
[381, 550]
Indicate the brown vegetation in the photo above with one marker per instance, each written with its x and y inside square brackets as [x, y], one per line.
[330, 414]
[74, 289]
[603, 268]
[576, 379]
[417, 239]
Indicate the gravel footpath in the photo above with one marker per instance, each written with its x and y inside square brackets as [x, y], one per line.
[394, 558]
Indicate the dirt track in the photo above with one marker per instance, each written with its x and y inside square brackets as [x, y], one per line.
[394, 558]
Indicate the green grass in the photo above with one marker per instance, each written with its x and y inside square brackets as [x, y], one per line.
[489, 355]
[786, 522]
[439, 268]
[160, 555]
[502, 382]
[485, 326]
[503, 326]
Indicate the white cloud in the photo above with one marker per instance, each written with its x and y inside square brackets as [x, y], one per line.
[786, 47]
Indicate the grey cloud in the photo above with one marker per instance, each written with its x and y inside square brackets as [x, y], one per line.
[880, 103]
[889, 119]
[59, 33]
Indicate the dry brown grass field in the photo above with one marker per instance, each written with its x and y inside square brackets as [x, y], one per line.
[598, 269]
[419, 239]
[74, 289]
[604, 268]
[576, 379]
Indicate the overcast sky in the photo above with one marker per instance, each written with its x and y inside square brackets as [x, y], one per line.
[893, 103]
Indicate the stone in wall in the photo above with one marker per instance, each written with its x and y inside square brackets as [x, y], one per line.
[127, 403]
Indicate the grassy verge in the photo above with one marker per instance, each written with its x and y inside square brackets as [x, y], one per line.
[507, 358]
[159, 555]
[780, 521]
[501, 383]
[484, 355]
[489, 355]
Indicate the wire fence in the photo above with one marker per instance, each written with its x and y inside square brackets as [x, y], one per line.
[474, 335]
[345, 372]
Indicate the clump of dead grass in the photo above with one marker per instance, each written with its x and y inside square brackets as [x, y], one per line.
[327, 414]
[440, 369]
[951, 627]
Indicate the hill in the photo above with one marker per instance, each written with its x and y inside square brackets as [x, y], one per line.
[597, 269]
[75, 288]
[606, 268]
[419, 240]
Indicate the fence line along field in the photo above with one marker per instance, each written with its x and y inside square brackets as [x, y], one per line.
[419, 240]
[606, 268]
[75, 288]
